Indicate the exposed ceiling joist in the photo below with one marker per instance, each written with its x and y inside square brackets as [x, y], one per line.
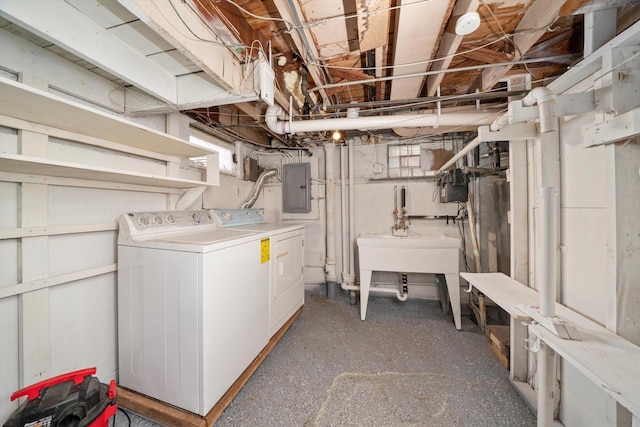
[415, 43]
[449, 44]
[541, 15]
[60, 23]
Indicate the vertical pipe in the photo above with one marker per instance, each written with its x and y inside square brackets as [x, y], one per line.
[343, 204]
[330, 263]
[351, 213]
[548, 245]
[546, 371]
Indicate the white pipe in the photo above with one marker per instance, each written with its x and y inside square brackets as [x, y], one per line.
[545, 390]
[397, 293]
[352, 209]
[343, 204]
[546, 101]
[548, 246]
[470, 146]
[275, 118]
[330, 263]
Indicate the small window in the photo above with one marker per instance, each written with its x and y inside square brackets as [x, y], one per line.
[224, 149]
[404, 161]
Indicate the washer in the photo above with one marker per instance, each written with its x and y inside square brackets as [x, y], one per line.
[286, 249]
[193, 307]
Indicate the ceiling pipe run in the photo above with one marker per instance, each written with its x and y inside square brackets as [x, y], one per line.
[276, 120]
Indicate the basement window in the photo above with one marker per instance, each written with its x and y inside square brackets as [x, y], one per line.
[224, 149]
[404, 161]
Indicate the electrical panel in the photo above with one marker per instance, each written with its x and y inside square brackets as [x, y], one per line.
[296, 187]
[453, 187]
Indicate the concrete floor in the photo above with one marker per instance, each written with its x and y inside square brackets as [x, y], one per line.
[405, 365]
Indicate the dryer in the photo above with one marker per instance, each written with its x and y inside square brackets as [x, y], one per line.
[193, 307]
[286, 252]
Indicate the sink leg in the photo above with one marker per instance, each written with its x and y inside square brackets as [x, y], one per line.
[453, 286]
[365, 283]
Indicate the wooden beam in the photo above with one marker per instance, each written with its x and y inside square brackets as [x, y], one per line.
[215, 59]
[449, 44]
[63, 25]
[352, 75]
[540, 15]
[373, 28]
[541, 47]
[484, 54]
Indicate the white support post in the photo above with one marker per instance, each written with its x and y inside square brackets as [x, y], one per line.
[546, 373]
[548, 243]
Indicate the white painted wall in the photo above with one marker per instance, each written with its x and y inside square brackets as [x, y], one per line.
[72, 325]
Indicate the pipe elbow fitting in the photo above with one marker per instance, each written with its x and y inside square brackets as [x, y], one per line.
[402, 297]
[538, 96]
[498, 123]
[273, 113]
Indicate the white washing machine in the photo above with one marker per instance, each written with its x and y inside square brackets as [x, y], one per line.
[286, 249]
[193, 307]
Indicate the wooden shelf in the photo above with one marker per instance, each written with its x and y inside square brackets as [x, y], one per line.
[23, 102]
[46, 167]
[602, 356]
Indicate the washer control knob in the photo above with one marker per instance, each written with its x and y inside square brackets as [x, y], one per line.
[197, 217]
[158, 220]
[226, 215]
[144, 220]
[171, 219]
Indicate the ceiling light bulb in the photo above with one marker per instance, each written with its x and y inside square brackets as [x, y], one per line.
[467, 23]
[337, 136]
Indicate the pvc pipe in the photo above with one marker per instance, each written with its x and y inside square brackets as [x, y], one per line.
[401, 297]
[545, 390]
[470, 146]
[255, 191]
[546, 101]
[330, 263]
[275, 118]
[344, 225]
[351, 213]
[548, 245]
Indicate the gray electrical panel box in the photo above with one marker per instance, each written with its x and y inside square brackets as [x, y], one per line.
[296, 187]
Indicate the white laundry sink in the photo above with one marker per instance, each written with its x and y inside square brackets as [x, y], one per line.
[416, 253]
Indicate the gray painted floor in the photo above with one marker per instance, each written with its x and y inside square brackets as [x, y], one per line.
[406, 365]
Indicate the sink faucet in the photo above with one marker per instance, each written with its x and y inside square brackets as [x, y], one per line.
[401, 219]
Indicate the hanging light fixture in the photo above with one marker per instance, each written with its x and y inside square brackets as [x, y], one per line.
[467, 23]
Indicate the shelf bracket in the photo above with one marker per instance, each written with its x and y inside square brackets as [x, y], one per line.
[189, 197]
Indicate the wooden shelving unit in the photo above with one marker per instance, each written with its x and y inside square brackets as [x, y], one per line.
[23, 102]
[40, 166]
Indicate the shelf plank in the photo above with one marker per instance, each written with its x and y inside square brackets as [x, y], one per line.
[46, 167]
[33, 105]
[602, 356]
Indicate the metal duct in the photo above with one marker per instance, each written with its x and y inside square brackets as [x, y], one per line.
[253, 195]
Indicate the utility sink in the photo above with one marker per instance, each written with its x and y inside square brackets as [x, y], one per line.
[416, 253]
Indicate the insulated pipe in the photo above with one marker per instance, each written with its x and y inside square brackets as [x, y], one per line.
[343, 222]
[330, 263]
[548, 245]
[275, 121]
[255, 191]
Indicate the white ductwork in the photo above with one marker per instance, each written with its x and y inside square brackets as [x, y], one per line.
[276, 120]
